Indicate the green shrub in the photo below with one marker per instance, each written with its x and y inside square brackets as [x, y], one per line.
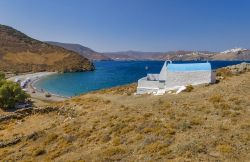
[2, 76]
[10, 94]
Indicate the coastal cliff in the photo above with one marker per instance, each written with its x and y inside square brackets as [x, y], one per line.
[21, 54]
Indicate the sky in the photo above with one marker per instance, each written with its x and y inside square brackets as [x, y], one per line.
[141, 25]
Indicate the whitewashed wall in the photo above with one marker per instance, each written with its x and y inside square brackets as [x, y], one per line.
[186, 78]
[174, 79]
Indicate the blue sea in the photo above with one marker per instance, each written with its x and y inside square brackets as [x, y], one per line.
[107, 74]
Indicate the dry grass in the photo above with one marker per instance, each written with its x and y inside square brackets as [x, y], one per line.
[208, 124]
[223, 72]
[38, 152]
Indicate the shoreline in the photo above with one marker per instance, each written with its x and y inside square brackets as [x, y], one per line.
[40, 94]
[33, 91]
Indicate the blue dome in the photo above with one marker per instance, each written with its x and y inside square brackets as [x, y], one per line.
[189, 67]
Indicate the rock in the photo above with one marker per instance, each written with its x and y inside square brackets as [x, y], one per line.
[214, 154]
[239, 68]
[10, 142]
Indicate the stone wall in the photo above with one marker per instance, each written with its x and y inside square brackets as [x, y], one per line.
[22, 113]
[141, 90]
[144, 83]
[147, 86]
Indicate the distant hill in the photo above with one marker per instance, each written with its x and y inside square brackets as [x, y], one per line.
[84, 51]
[232, 54]
[19, 53]
[172, 55]
[132, 55]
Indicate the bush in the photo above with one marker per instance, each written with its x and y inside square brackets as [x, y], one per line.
[10, 94]
[38, 152]
[47, 95]
[216, 98]
[192, 147]
[223, 72]
[2, 76]
[189, 88]
[50, 138]
[183, 126]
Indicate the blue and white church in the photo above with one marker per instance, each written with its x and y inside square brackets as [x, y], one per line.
[173, 76]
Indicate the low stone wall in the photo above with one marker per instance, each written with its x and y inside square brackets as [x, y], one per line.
[146, 90]
[147, 86]
[20, 114]
[13, 141]
[144, 83]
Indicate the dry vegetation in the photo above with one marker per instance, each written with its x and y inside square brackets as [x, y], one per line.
[20, 53]
[208, 123]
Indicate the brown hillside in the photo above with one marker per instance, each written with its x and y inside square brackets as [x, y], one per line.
[180, 55]
[241, 55]
[20, 53]
[84, 51]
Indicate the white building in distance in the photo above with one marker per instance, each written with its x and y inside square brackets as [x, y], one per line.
[173, 76]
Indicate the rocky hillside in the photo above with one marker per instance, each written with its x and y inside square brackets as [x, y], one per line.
[19, 54]
[172, 55]
[84, 51]
[133, 55]
[181, 55]
[233, 54]
[210, 123]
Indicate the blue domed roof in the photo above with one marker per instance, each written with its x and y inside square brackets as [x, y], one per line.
[189, 67]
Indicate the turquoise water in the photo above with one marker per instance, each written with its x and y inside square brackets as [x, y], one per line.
[107, 74]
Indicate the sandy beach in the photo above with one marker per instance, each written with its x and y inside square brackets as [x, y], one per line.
[33, 91]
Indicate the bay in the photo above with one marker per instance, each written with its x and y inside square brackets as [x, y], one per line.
[107, 74]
